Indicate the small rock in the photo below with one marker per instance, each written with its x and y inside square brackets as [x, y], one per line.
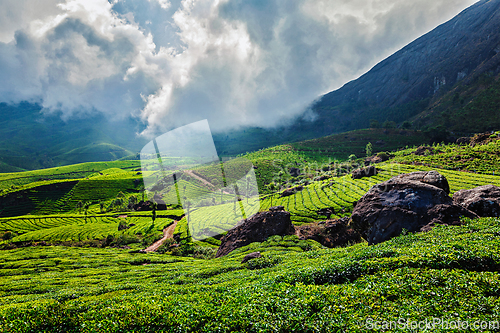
[251, 256]
[369, 171]
[294, 172]
[291, 191]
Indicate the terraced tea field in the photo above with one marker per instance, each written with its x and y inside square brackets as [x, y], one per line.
[60, 228]
[338, 193]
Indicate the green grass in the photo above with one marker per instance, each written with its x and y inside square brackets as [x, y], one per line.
[74, 171]
[448, 273]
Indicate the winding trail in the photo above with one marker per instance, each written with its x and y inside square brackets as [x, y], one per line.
[204, 181]
[168, 232]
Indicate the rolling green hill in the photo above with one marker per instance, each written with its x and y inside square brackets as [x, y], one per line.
[66, 270]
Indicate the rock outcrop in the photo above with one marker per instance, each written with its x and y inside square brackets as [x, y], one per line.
[291, 191]
[369, 171]
[482, 200]
[415, 202]
[424, 150]
[333, 233]
[326, 212]
[257, 228]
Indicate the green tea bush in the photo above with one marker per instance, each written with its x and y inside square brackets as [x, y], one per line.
[263, 262]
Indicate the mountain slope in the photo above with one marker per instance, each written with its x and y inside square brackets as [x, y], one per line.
[403, 85]
[447, 77]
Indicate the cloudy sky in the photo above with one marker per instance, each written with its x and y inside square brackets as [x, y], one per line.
[173, 62]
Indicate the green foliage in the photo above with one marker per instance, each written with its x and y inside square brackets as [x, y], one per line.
[449, 273]
[263, 262]
[374, 123]
[383, 155]
[389, 124]
[369, 149]
[437, 134]
[406, 124]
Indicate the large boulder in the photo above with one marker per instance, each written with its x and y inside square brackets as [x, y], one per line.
[415, 202]
[482, 200]
[332, 233]
[257, 228]
[428, 177]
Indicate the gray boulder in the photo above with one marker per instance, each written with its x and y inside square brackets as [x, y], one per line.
[415, 202]
[482, 200]
[369, 171]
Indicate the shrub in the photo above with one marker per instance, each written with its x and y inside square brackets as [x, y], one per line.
[263, 262]
[383, 155]
[165, 247]
[7, 235]
[125, 239]
[204, 252]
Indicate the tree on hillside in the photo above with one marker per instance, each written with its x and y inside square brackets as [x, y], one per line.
[153, 206]
[142, 190]
[406, 125]
[86, 208]
[132, 201]
[101, 206]
[188, 206]
[248, 187]
[369, 149]
[79, 206]
[389, 124]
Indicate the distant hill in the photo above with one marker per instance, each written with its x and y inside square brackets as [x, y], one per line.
[30, 140]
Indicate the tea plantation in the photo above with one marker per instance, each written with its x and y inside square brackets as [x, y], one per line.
[70, 259]
[449, 273]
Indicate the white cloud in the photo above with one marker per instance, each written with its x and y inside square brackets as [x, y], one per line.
[234, 62]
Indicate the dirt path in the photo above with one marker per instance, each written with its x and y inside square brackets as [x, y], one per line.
[204, 181]
[192, 174]
[168, 232]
